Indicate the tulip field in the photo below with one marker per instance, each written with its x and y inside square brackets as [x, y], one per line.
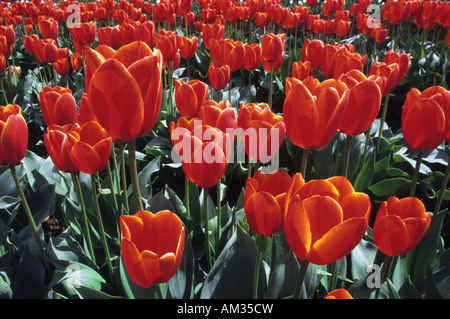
[224, 149]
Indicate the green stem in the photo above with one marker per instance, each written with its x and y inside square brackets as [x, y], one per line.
[304, 163]
[186, 197]
[333, 279]
[260, 241]
[383, 119]
[123, 177]
[134, 175]
[336, 154]
[249, 86]
[219, 212]
[415, 178]
[77, 185]
[442, 190]
[206, 216]
[301, 278]
[100, 225]
[30, 217]
[4, 92]
[386, 272]
[348, 144]
[271, 85]
[113, 194]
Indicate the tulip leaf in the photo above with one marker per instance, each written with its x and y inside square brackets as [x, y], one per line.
[431, 291]
[365, 176]
[390, 187]
[425, 252]
[393, 294]
[282, 282]
[180, 286]
[232, 273]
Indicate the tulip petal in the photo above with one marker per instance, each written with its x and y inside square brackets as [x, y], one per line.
[391, 235]
[297, 228]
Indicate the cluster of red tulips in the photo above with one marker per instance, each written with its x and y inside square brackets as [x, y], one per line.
[129, 53]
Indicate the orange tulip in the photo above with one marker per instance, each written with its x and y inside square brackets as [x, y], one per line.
[59, 141]
[190, 96]
[390, 71]
[362, 108]
[342, 28]
[76, 60]
[91, 151]
[400, 225]
[314, 125]
[312, 51]
[13, 135]
[262, 19]
[168, 42]
[132, 31]
[272, 48]
[203, 150]
[219, 115]
[264, 201]
[233, 54]
[61, 66]
[379, 34]
[152, 246]
[212, 31]
[324, 219]
[253, 56]
[218, 75]
[58, 105]
[301, 70]
[110, 36]
[48, 28]
[188, 47]
[426, 118]
[132, 77]
[339, 293]
[402, 59]
[83, 33]
[263, 131]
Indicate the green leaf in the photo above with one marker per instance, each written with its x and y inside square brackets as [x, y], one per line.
[180, 286]
[393, 294]
[232, 274]
[390, 187]
[431, 291]
[365, 176]
[89, 293]
[425, 252]
[283, 281]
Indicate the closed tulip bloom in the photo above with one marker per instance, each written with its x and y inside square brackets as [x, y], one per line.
[152, 246]
[188, 47]
[218, 75]
[212, 31]
[2, 62]
[46, 50]
[58, 105]
[253, 56]
[92, 149]
[325, 219]
[262, 19]
[203, 150]
[400, 225]
[339, 293]
[76, 60]
[345, 60]
[59, 141]
[362, 108]
[342, 28]
[261, 130]
[132, 77]
[379, 34]
[48, 28]
[301, 70]
[110, 36]
[426, 118]
[13, 135]
[220, 115]
[264, 201]
[83, 33]
[402, 59]
[390, 71]
[313, 120]
[61, 66]
[168, 42]
[272, 47]
[233, 53]
[190, 96]
[312, 51]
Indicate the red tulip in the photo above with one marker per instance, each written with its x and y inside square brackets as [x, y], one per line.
[61, 66]
[312, 51]
[132, 77]
[110, 36]
[168, 42]
[83, 33]
[59, 141]
[48, 28]
[400, 225]
[426, 118]
[13, 135]
[339, 293]
[390, 71]
[219, 115]
[212, 31]
[261, 130]
[253, 56]
[91, 151]
[273, 48]
[58, 105]
[301, 70]
[314, 125]
[264, 201]
[402, 59]
[218, 76]
[324, 219]
[152, 246]
[190, 96]
[188, 47]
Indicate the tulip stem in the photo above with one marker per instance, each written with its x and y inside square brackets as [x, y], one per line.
[4, 92]
[301, 278]
[123, 177]
[442, 190]
[186, 197]
[134, 175]
[113, 194]
[206, 211]
[387, 270]
[271, 85]
[383, 119]
[304, 163]
[29, 217]
[77, 185]
[259, 243]
[100, 225]
[415, 177]
[348, 144]
[219, 212]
